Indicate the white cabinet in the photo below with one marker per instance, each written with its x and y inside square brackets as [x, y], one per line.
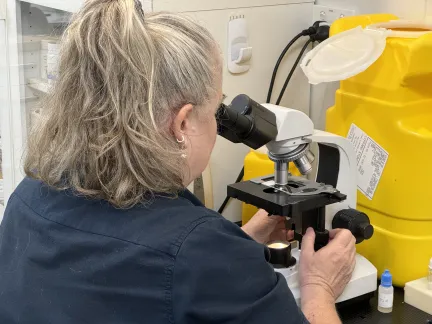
[24, 36]
[30, 32]
[4, 99]
[62, 5]
[4, 95]
[74, 5]
[2, 10]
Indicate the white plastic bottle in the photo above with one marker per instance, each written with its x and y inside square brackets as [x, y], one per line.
[44, 59]
[430, 275]
[52, 62]
[385, 293]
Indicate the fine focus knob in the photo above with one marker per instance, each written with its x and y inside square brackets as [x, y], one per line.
[355, 221]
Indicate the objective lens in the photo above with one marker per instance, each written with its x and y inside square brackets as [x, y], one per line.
[310, 156]
[281, 173]
[303, 165]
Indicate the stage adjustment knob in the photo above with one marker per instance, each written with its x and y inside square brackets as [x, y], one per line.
[355, 221]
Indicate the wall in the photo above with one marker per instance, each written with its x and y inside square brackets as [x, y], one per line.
[271, 25]
[147, 5]
[407, 9]
[322, 96]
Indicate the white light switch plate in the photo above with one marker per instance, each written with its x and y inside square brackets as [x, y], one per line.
[330, 14]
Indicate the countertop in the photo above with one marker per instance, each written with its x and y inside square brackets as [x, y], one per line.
[366, 312]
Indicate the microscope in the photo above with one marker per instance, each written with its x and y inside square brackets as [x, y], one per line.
[328, 201]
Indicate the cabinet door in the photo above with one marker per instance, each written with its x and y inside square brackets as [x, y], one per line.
[3, 101]
[31, 38]
[29, 43]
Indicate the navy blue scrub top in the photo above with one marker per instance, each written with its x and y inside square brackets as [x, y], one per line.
[66, 259]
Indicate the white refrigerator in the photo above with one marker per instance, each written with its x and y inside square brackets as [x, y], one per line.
[29, 35]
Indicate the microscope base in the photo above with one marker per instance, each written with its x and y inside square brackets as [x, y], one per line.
[363, 281]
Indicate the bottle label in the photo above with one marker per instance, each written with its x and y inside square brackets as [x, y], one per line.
[385, 301]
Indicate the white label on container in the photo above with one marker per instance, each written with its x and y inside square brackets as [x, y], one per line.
[385, 301]
[371, 161]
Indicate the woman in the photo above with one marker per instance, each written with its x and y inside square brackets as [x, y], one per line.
[103, 231]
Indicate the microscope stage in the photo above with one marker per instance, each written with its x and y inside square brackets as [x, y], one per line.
[278, 202]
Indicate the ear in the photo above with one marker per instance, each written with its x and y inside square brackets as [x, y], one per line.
[182, 123]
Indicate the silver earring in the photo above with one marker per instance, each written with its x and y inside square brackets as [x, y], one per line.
[181, 141]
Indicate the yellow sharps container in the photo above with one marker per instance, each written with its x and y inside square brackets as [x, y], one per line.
[384, 106]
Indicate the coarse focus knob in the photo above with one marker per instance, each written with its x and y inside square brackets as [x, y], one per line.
[321, 239]
[355, 221]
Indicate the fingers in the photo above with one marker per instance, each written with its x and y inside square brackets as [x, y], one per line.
[261, 214]
[290, 235]
[352, 256]
[308, 242]
[352, 264]
[334, 232]
[282, 234]
[341, 237]
[278, 235]
[280, 221]
[353, 242]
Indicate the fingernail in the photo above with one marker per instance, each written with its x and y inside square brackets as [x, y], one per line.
[309, 230]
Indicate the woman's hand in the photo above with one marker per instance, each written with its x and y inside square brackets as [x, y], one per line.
[264, 228]
[326, 272]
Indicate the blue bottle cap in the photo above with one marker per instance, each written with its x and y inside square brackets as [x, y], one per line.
[386, 279]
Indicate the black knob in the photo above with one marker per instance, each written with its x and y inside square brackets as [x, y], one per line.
[280, 255]
[355, 221]
[321, 239]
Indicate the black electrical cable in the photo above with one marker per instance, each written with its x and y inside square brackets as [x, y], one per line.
[225, 202]
[278, 63]
[292, 71]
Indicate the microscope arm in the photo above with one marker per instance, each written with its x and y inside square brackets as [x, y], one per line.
[348, 168]
[346, 179]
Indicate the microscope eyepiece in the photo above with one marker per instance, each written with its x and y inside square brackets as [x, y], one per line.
[246, 121]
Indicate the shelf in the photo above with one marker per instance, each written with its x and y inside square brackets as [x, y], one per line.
[64, 5]
[38, 87]
[30, 99]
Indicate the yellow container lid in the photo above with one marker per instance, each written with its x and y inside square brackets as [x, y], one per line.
[351, 52]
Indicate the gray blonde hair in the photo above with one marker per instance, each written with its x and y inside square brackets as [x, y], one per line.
[105, 129]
